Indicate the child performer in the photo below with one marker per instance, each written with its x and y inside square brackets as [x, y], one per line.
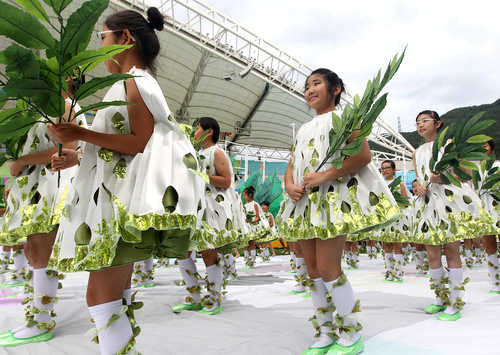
[321, 207]
[219, 219]
[444, 215]
[270, 220]
[256, 222]
[32, 217]
[490, 239]
[129, 199]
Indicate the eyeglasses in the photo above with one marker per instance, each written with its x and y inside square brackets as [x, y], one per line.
[384, 169]
[100, 38]
[423, 121]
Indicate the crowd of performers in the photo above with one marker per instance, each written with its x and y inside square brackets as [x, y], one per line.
[138, 190]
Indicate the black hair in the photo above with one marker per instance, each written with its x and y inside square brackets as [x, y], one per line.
[266, 203]
[414, 181]
[393, 165]
[210, 123]
[250, 191]
[433, 115]
[148, 45]
[491, 144]
[332, 80]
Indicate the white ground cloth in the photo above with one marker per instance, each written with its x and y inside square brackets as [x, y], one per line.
[259, 316]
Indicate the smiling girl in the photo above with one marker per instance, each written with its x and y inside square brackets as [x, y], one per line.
[323, 207]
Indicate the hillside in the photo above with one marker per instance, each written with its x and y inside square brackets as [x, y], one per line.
[492, 112]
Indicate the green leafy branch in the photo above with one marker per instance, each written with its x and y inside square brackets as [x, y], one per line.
[488, 181]
[395, 188]
[39, 82]
[360, 117]
[458, 146]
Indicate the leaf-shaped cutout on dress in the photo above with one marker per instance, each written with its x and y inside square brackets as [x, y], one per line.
[120, 168]
[96, 196]
[199, 206]
[424, 228]
[170, 199]
[310, 146]
[83, 234]
[331, 189]
[35, 199]
[352, 182]
[31, 169]
[426, 199]
[118, 122]
[315, 189]
[448, 209]
[228, 225]
[443, 225]
[306, 170]
[345, 207]
[374, 200]
[219, 198]
[190, 161]
[448, 192]
[467, 200]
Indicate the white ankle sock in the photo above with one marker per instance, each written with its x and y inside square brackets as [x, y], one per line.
[44, 286]
[214, 276]
[319, 301]
[390, 265]
[420, 259]
[493, 271]
[20, 261]
[138, 273]
[456, 278]
[231, 266]
[398, 268]
[189, 278]
[437, 275]
[118, 334]
[468, 253]
[343, 299]
[301, 270]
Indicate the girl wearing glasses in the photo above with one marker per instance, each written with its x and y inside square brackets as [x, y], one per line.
[129, 199]
[444, 214]
[321, 208]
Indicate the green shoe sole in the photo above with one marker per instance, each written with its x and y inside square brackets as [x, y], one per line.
[13, 341]
[433, 309]
[17, 284]
[494, 292]
[6, 334]
[307, 296]
[186, 307]
[450, 317]
[353, 349]
[295, 292]
[316, 351]
[211, 313]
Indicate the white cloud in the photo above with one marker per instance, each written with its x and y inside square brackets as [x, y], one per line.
[452, 56]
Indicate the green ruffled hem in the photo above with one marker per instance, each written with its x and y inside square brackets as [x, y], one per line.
[131, 239]
[461, 227]
[42, 224]
[204, 240]
[382, 215]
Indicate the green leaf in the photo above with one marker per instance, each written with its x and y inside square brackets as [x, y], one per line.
[481, 126]
[462, 174]
[444, 179]
[35, 8]
[475, 156]
[58, 5]
[90, 59]
[336, 122]
[468, 165]
[52, 104]
[24, 28]
[476, 179]
[9, 114]
[471, 122]
[101, 105]
[479, 139]
[338, 162]
[16, 127]
[21, 63]
[95, 84]
[353, 148]
[453, 179]
[81, 22]
[441, 138]
[27, 88]
[3, 99]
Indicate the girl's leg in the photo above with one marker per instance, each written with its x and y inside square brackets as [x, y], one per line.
[253, 254]
[420, 258]
[469, 261]
[211, 302]
[436, 270]
[478, 250]
[271, 246]
[190, 276]
[389, 261]
[355, 255]
[454, 300]
[490, 246]
[104, 298]
[400, 261]
[293, 258]
[230, 263]
[301, 268]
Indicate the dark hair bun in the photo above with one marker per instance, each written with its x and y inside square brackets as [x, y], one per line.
[155, 18]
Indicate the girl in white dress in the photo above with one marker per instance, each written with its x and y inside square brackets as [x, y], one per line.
[444, 214]
[33, 214]
[129, 199]
[257, 225]
[323, 207]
